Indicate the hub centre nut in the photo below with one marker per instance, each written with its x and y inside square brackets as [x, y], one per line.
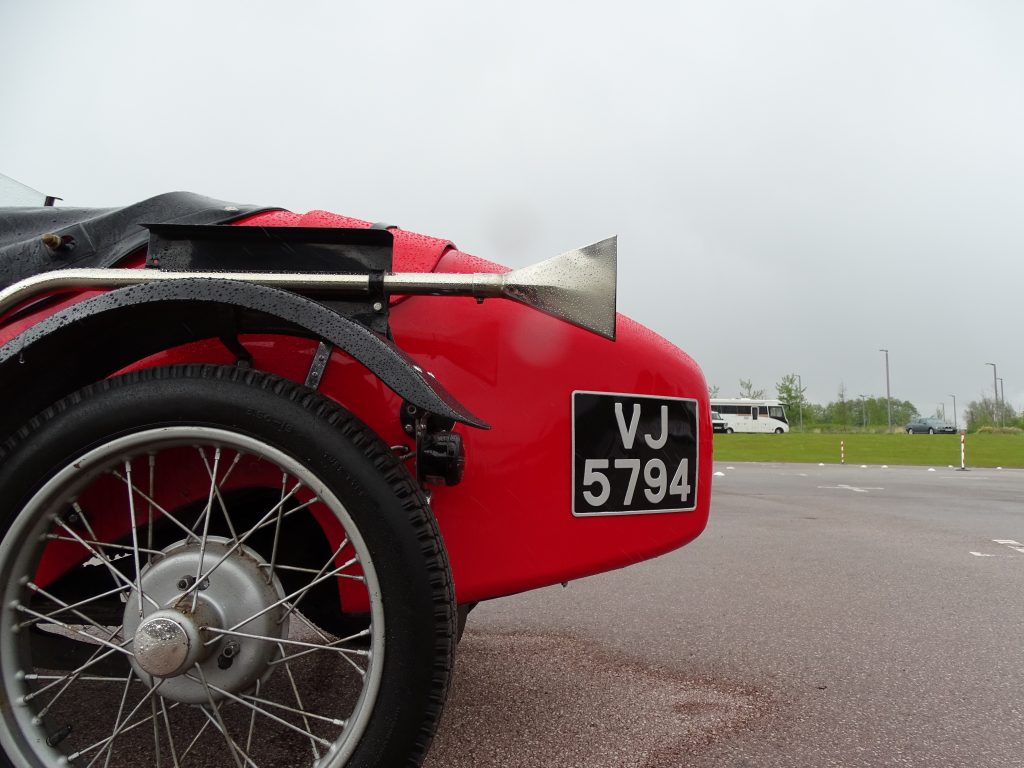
[163, 646]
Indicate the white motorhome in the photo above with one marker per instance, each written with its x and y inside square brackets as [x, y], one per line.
[742, 414]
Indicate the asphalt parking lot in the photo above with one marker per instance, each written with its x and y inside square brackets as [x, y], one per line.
[829, 616]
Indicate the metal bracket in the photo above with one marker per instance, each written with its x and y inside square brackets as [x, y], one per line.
[321, 357]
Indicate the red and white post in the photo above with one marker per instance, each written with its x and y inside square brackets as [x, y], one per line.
[963, 452]
[842, 451]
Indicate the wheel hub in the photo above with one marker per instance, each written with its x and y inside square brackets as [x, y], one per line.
[222, 631]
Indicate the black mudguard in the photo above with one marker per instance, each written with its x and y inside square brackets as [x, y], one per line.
[95, 338]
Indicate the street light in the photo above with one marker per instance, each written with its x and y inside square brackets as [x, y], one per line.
[995, 387]
[800, 402]
[864, 410]
[1002, 392]
[888, 397]
[955, 424]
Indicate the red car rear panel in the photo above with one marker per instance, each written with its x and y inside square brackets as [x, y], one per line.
[508, 526]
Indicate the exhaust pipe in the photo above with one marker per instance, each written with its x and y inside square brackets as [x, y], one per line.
[577, 286]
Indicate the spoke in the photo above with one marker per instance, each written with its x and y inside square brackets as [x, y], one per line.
[135, 534]
[96, 553]
[316, 630]
[65, 606]
[69, 628]
[206, 522]
[237, 545]
[220, 499]
[70, 677]
[277, 529]
[149, 505]
[329, 644]
[195, 739]
[117, 725]
[286, 598]
[83, 678]
[233, 747]
[289, 513]
[77, 675]
[297, 643]
[301, 707]
[170, 737]
[156, 732]
[128, 729]
[252, 720]
[263, 712]
[116, 574]
[108, 545]
[314, 571]
[124, 729]
[326, 565]
[189, 535]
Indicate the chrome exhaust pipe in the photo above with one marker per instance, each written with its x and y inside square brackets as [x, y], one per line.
[577, 287]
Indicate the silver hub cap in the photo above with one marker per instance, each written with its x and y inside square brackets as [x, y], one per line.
[163, 647]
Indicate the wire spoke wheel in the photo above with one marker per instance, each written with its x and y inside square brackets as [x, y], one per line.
[181, 593]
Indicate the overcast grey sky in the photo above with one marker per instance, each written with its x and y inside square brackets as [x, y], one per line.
[794, 184]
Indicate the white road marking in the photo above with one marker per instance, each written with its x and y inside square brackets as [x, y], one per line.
[982, 554]
[1008, 542]
[719, 474]
[853, 488]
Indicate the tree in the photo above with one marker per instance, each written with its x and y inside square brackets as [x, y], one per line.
[792, 396]
[988, 413]
[790, 391]
[747, 390]
[712, 391]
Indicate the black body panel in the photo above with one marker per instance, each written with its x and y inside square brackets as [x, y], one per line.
[98, 237]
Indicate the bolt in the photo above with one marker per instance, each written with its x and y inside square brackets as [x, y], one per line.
[227, 655]
[377, 306]
[205, 584]
[186, 581]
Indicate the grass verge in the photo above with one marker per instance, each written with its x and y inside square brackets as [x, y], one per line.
[991, 450]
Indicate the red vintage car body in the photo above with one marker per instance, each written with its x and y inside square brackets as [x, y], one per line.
[508, 525]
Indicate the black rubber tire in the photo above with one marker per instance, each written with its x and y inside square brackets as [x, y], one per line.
[729, 430]
[378, 492]
[931, 431]
[778, 430]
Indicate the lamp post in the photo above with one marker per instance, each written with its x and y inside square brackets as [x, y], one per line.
[888, 396]
[800, 402]
[864, 410]
[1002, 392]
[995, 387]
[956, 425]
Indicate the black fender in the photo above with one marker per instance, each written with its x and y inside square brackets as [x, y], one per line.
[94, 338]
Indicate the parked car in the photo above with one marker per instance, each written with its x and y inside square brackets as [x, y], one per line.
[718, 424]
[930, 426]
[255, 469]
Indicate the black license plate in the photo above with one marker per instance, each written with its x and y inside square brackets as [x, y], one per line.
[633, 454]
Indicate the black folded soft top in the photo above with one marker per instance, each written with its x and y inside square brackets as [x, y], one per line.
[98, 237]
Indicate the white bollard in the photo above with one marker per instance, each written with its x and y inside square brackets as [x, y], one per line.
[963, 452]
[842, 451]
